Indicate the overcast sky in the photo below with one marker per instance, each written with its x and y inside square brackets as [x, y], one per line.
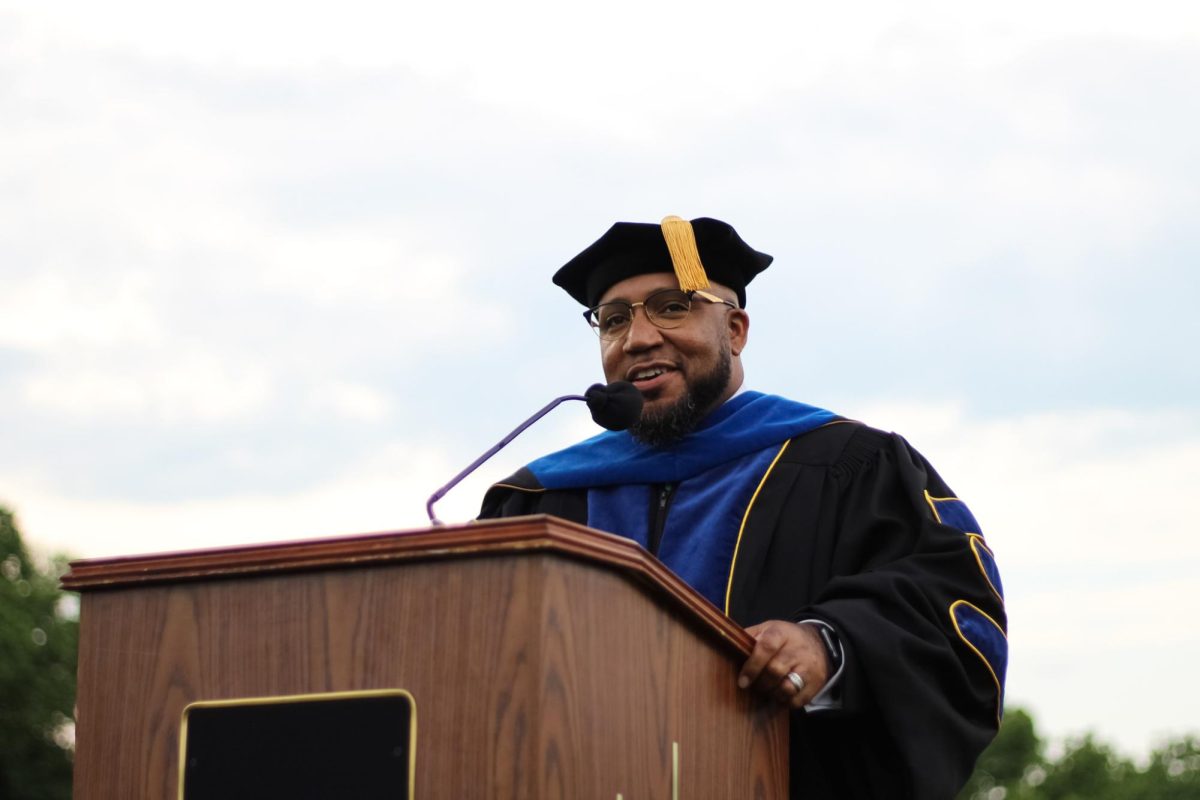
[277, 270]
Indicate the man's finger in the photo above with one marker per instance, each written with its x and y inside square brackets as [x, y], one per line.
[767, 643]
[772, 677]
[801, 699]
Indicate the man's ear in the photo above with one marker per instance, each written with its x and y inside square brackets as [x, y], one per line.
[738, 323]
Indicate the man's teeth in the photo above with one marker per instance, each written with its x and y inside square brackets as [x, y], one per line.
[646, 374]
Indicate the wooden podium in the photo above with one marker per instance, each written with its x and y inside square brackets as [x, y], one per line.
[545, 660]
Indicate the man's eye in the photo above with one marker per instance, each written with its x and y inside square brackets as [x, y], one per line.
[611, 322]
[673, 308]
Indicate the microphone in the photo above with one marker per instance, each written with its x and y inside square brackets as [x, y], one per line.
[615, 407]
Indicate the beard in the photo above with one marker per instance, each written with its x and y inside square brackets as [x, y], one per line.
[666, 426]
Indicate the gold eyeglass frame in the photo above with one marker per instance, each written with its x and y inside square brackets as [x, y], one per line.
[591, 317]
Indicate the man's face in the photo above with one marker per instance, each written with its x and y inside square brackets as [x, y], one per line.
[671, 366]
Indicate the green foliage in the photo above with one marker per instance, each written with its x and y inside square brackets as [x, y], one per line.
[1015, 767]
[38, 640]
[1174, 772]
[1015, 751]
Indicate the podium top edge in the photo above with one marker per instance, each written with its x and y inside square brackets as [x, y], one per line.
[515, 536]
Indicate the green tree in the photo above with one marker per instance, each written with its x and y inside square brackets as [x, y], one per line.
[39, 634]
[1012, 762]
[1015, 767]
[1173, 772]
[1087, 770]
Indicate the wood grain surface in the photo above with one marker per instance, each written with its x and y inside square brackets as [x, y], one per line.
[545, 660]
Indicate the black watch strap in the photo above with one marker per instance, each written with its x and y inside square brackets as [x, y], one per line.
[833, 647]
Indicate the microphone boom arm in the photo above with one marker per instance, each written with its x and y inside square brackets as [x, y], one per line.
[440, 493]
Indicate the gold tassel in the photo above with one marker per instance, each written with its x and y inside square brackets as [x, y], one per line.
[681, 243]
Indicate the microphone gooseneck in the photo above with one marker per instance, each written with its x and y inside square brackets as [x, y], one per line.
[615, 406]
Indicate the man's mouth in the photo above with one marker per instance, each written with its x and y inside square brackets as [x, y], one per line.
[648, 378]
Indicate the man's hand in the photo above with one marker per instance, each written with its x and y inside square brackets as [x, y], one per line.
[781, 648]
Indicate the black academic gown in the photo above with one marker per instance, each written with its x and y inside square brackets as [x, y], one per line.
[843, 531]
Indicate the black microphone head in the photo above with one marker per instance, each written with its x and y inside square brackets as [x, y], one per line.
[615, 406]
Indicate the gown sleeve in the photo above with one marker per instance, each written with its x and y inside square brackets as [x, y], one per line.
[917, 602]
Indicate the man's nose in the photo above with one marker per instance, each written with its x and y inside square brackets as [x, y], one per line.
[642, 333]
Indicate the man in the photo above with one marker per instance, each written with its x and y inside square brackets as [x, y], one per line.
[875, 603]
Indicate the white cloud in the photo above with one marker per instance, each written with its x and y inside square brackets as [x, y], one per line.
[368, 266]
[629, 69]
[354, 401]
[1122, 611]
[1109, 654]
[52, 310]
[175, 388]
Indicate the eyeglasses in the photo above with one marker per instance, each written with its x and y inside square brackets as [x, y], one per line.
[667, 308]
